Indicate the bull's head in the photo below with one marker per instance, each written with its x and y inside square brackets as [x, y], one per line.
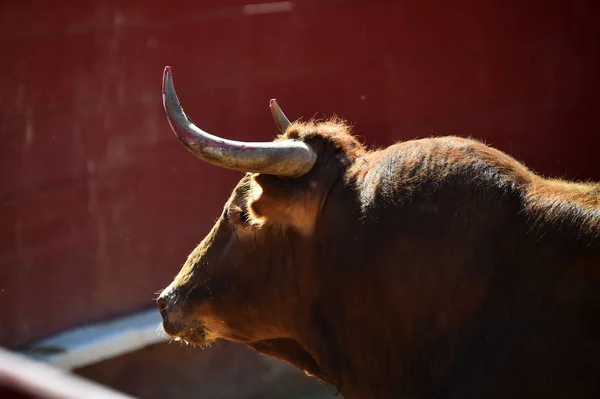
[247, 279]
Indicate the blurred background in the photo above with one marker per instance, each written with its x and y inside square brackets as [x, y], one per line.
[100, 204]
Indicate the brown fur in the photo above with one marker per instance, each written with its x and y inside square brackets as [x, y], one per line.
[438, 267]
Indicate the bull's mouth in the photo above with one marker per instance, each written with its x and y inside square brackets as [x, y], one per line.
[197, 336]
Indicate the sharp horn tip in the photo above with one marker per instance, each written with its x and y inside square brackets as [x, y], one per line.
[166, 75]
[272, 102]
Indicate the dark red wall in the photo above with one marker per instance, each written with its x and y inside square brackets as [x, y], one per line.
[99, 204]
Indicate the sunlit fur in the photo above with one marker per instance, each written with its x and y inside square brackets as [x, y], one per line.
[438, 267]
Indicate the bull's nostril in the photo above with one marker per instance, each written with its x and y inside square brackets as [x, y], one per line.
[162, 304]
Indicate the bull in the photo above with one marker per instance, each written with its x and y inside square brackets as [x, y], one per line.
[433, 268]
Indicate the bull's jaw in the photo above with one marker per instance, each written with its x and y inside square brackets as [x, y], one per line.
[291, 351]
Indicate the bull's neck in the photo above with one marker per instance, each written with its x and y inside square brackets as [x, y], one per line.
[329, 329]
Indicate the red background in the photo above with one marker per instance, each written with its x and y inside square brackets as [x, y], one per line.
[99, 203]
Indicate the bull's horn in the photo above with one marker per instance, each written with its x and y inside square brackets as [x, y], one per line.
[281, 121]
[289, 158]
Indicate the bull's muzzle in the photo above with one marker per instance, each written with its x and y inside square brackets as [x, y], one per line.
[179, 322]
[171, 319]
[175, 322]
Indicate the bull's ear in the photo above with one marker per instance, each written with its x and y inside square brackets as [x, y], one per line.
[284, 202]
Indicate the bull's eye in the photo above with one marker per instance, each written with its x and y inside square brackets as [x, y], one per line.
[238, 216]
[244, 216]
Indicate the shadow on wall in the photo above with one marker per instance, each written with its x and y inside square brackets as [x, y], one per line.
[225, 370]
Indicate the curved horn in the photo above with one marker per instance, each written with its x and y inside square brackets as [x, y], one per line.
[289, 158]
[281, 121]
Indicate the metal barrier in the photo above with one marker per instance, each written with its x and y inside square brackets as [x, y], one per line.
[22, 377]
